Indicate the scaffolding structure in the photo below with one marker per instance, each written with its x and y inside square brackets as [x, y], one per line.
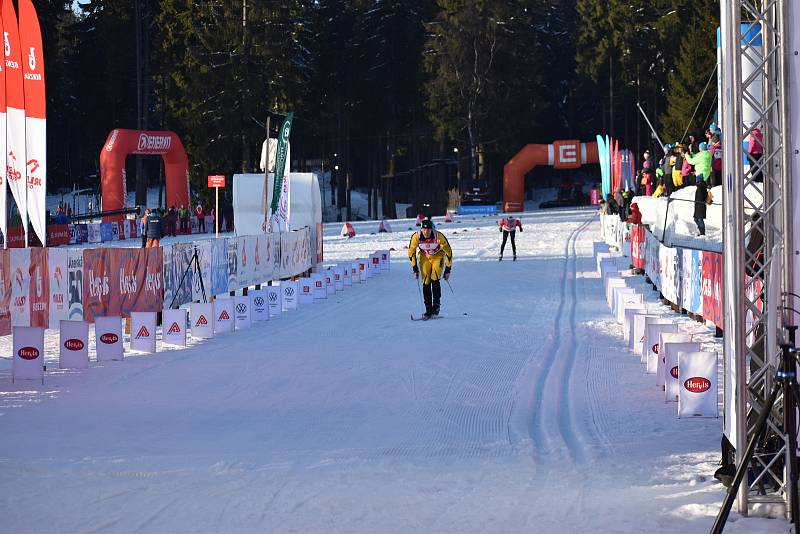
[757, 56]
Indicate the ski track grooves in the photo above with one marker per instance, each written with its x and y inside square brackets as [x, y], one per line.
[565, 358]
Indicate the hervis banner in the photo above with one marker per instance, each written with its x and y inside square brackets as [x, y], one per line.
[289, 295]
[631, 311]
[639, 329]
[74, 345]
[223, 315]
[259, 305]
[143, 331]
[202, 319]
[697, 380]
[57, 261]
[20, 263]
[338, 278]
[330, 286]
[305, 290]
[665, 340]
[320, 289]
[241, 312]
[275, 299]
[173, 327]
[363, 270]
[671, 373]
[108, 334]
[28, 362]
[652, 343]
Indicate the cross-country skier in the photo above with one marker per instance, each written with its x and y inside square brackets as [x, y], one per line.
[509, 226]
[435, 261]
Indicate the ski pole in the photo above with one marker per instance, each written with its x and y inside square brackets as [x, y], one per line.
[458, 303]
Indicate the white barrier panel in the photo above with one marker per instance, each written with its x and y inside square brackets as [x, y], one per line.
[223, 315]
[671, 373]
[611, 283]
[652, 340]
[173, 327]
[627, 322]
[241, 312]
[363, 269]
[598, 247]
[73, 350]
[697, 381]
[625, 301]
[346, 278]
[28, 362]
[330, 286]
[617, 294]
[606, 257]
[108, 338]
[143, 331]
[665, 339]
[259, 305]
[275, 299]
[386, 260]
[202, 319]
[338, 278]
[320, 290]
[289, 295]
[607, 269]
[374, 264]
[306, 291]
[640, 331]
[355, 272]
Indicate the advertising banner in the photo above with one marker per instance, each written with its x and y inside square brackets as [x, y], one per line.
[58, 234]
[233, 264]
[712, 288]
[375, 264]
[93, 233]
[39, 287]
[338, 278]
[57, 261]
[320, 289]
[652, 343]
[363, 270]
[202, 319]
[639, 329]
[692, 281]
[355, 273]
[75, 270]
[386, 260]
[638, 246]
[346, 279]
[81, 233]
[275, 299]
[223, 315]
[201, 281]
[173, 327]
[241, 312]
[289, 289]
[219, 267]
[20, 267]
[5, 292]
[305, 291]
[666, 260]
[664, 340]
[74, 344]
[28, 362]
[330, 285]
[259, 305]
[143, 331]
[697, 382]
[671, 371]
[115, 231]
[108, 334]
[651, 258]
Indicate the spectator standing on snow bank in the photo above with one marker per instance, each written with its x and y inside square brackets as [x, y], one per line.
[143, 227]
[508, 226]
[201, 218]
[701, 162]
[755, 151]
[636, 215]
[183, 215]
[648, 175]
[154, 229]
[701, 200]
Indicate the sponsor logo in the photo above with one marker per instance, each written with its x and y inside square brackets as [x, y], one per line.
[201, 321]
[6, 44]
[109, 338]
[288, 291]
[98, 287]
[28, 353]
[258, 301]
[318, 283]
[224, 316]
[153, 142]
[241, 308]
[143, 332]
[73, 344]
[273, 297]
[127, 283]
[112, 140]
[174, 329]
[376, 261]
[674, 372]
[697, 384]
[33, 76]
[32, 59]
[655, 348]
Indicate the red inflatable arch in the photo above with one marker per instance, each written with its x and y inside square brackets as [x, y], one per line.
[560, 155]
[122, 142]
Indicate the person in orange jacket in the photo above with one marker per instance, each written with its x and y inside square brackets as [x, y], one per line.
[508, 226]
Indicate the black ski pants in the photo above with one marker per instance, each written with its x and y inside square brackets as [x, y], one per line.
[505, 238]
[432, 293]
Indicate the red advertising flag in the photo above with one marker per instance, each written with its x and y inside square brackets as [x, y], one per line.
[30, 37]
[15, 112]
[5, 293]
[39, 288]
[3, 221]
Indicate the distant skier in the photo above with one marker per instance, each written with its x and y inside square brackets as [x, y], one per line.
[435, 261]
[509, 226]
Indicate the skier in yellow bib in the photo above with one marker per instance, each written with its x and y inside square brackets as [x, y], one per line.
[435, 261]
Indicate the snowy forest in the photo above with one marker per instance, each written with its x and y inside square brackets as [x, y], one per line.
[393, 93]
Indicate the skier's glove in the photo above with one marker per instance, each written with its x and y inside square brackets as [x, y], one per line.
[520, 229]
[447, 273]
[415, 269]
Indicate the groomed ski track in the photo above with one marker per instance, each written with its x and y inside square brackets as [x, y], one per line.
[528, 414]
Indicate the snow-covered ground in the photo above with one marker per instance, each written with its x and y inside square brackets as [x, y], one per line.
[521, 411]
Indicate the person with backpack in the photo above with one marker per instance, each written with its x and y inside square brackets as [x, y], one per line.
[508, 226]
[434, 262]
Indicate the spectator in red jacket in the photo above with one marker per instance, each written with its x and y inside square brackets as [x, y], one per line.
[201, 218]
[508, 226]
[636, 215]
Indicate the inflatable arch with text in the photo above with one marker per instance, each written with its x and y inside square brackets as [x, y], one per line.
[122, 142]
[559, 154]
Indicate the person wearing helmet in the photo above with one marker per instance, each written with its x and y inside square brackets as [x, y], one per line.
[434, 262]
[508, 226]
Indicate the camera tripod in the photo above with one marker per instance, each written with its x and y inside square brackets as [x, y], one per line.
[786, 382]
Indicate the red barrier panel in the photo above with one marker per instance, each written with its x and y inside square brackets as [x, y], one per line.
[5, 293]
[712, 288]
[637, 246]
[39, 288]
[58, 234]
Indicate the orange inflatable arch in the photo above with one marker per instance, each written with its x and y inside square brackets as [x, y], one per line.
[559, 155]
[119, 144]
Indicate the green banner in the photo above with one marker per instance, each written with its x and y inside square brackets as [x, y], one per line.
[280, 161]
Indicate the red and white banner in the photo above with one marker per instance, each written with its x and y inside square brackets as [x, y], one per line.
[665, 340]
[20, 286]
[363, 270]
[671, 370]
[143, 331]
[3, 210]
[57, 261]
[173, 327]
[375, 264]
[28, 363]
[74, 345]
[202, 320]
[30, 36]
[39, 288]
[637, 246]
[16, 160]
[223, 315]
[697, 380]
[652, 343]
[108, 338]
[75, 273]
[5, 292]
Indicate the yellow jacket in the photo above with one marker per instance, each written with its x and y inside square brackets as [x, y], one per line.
[431, 250]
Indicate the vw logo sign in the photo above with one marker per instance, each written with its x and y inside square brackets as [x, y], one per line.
[258, 301]
[241, 308]
[273, 297]
[289, 291]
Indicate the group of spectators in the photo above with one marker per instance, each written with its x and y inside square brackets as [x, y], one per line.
[157, 223]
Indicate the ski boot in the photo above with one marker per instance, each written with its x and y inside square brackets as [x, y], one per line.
[500, 258]
[515, 258]
[435, 308]
[428, 314]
